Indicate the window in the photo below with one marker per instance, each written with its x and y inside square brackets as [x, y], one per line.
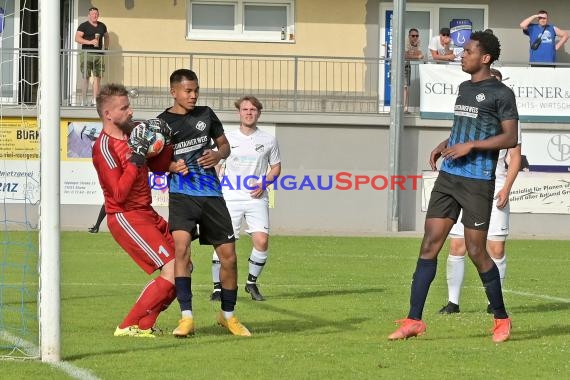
[241, 20]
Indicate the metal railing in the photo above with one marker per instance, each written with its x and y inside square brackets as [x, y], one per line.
[282, 83]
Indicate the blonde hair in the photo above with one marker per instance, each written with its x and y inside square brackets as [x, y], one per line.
[249, 98]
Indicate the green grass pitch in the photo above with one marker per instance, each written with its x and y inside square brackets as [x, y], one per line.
[331, 302]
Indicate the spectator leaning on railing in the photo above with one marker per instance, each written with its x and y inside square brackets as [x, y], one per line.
[542, 38]
[440, 46]
[413, 52]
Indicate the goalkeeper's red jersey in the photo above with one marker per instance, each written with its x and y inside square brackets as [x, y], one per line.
[124, 185]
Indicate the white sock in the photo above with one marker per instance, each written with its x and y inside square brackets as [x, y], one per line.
[186, 313]
[228, 314]
[257, 261]
[502, 266]
[215, 268]
[455, 274]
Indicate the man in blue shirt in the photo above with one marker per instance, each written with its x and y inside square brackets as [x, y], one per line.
[542, 37]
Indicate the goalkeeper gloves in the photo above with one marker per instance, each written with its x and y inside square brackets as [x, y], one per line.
[139, 144]
[162, 127]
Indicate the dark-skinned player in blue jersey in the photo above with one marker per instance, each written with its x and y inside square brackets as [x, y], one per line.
[485, 121]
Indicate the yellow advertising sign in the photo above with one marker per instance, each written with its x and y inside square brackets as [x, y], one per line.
[19, 139]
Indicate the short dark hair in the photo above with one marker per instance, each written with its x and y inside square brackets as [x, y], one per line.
[490, 31]
[249, 98]
[488, 44]
[93, 9]
[182, 74]
[542, 11]
[445, 31]
[413, 30]
[108, 91]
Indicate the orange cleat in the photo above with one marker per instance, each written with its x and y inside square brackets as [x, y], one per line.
[502, 330]
[408, 328]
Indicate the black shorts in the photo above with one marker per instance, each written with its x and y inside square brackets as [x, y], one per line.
[452, 193]
[210, 213]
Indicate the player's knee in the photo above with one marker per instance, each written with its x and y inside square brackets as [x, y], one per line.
[496, 249]
[181, 252]
[228, 261]
[430, 247]
[226, 254]
[261, 243]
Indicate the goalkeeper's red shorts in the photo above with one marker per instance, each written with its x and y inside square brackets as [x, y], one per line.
[145, 236]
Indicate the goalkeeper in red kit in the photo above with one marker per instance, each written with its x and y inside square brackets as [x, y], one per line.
[119, 157]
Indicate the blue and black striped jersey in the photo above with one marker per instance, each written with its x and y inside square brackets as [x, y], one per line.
[479, 110]
[191, 135]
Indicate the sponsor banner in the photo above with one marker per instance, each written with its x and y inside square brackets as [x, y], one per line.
[79, 184]
[79, 181]
[20, 181]
[19, 139]
[19, 161]
[547, 151]
[20, 164]
[536, 193]
[542, 93]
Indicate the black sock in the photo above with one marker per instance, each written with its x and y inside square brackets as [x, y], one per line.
[492, 283]
[251, 278]
[229, 298]
[100, 217]
[217, 286]
[184, 292]
[423, 276]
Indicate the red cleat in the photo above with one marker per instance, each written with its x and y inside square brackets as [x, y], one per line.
[408, 328]
[502, 330]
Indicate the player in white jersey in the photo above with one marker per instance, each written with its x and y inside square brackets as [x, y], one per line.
[252, 165]
[498, 225]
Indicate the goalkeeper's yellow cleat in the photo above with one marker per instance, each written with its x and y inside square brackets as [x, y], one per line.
[185, 327]
[134, 331]
[233, 325]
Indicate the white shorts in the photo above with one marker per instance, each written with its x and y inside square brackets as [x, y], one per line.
[254, 211]
[498, 225]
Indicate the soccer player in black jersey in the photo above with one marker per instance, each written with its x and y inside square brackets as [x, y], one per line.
[195, 199]
[485, 121]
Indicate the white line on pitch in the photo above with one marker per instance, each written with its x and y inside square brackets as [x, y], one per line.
[542, 296]
[32, 350]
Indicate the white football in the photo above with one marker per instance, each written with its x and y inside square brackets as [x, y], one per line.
[156, 144]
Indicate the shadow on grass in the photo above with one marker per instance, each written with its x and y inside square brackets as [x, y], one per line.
[212, 334]
[325, 293]
[538, 333]
[288, 320]
[174, 343]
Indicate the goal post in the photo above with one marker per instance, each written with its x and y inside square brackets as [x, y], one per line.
[49, 313]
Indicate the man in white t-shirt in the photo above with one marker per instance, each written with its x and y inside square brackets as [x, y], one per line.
[498, 225]
[440, 46]
[253, 164]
